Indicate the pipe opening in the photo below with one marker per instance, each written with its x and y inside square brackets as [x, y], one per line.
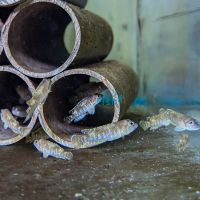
[61, 100]
[9, 98]
[36, 37]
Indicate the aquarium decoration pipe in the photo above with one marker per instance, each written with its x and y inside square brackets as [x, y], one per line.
[34, 33]
[9, 79]
[120, 81]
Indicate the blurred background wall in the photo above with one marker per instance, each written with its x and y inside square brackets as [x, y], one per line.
[160, 40]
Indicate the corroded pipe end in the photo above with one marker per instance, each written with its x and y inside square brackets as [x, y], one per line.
[57, 106]
[9, 79]
[33, 37]
[58, 103]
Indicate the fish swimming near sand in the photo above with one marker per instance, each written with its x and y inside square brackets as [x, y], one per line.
[166, 117]
[38, 98]
[83, 108]
[48, 148]
[183, 142]
[101, 134]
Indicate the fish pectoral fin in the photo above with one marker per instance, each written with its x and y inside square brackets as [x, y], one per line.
[91, 111]
[5, 126]
[79, 118]
[26, 119]
[153, 128]
[179, 129]
[161, 110]
[45, 155]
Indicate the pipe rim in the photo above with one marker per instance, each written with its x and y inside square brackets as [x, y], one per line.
[80, 71]
[9, 69]
[69, 60]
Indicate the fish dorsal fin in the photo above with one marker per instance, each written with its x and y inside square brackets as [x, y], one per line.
[100, 129]
[162, 110]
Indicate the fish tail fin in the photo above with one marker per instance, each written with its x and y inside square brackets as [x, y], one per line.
[77, 140]
[144, 125]
[69, 119]
[26, 119]
[68, 155]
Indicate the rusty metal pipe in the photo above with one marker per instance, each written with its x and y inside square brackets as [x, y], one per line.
[9, 79]
[119, 79]
[33, 37]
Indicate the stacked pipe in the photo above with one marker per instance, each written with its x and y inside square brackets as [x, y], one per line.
[32, 39]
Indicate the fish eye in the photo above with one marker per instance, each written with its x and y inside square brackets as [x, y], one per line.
[132, 123]
[191, 122]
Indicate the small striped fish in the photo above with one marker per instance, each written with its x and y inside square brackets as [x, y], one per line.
[183, 142]
[19, 111]
[10, 122]
[36, 135]
[51, 149]
[101, 134]
[167, 117]
[83, 108]
[23, 93]
[38, 98]
[87, 90]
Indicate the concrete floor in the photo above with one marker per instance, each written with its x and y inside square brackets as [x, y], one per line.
[140, 166]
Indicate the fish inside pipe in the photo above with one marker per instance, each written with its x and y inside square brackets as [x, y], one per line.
[19, 111]
[101, 134]
[24, 93]
[165, 117]
[87, 90]
[10, 122]
[85, 107]
[48, 148]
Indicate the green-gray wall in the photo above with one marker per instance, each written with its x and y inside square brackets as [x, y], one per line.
[160, 40]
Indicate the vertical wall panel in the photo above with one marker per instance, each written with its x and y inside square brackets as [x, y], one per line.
[122, 16]
[169, 57]
[165, 50]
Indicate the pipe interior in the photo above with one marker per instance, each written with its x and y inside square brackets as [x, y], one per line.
[36, 37]
[9, 98]
[58, 104]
